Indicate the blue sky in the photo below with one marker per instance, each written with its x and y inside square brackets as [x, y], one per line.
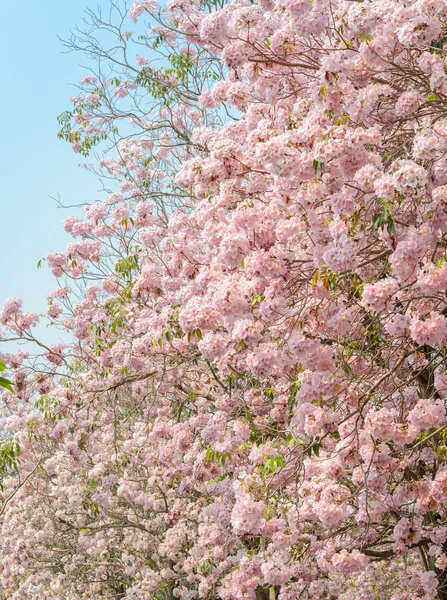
[34, 164]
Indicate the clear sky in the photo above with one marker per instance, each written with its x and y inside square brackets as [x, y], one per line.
[34, 164]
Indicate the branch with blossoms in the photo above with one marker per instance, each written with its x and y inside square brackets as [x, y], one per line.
[252, 403]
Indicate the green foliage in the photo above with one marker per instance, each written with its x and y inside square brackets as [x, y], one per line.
[5, 383]
[9, 458]
[153, 82]
[385, 218]
[167, 335]
[182, 65]
[195, 332]
[217, 457]
[328, 279]
[48, 407]
[437, 45]
[318, 166]
[128, 266]
[355, 221]
[73, 136]
[206, 566]
[272, 464]
[125, 36]
[256, 299]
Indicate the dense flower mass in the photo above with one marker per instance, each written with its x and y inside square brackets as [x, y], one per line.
[252, 403]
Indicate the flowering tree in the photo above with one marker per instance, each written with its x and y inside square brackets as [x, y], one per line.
[252, 406]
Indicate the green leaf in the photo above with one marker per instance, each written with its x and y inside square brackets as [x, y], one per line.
[5, 383]
[384, 218]
[316, 277]
[437, 45]
[256, 298]
[244, 446]
[390, 227]
[323, 93]
[273, 463]
[215, 456]
[366, 37]
[269, 392]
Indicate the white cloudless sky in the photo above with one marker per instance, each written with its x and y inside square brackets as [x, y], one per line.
[34, 164]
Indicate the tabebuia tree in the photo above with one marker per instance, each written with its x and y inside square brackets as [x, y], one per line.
[251, 401]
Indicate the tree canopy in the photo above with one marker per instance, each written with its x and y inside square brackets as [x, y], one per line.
[252, 403]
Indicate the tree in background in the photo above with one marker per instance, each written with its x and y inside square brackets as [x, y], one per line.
[252, 406]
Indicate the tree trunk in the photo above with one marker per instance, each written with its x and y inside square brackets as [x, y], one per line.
[268, 592]
[262, 593]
